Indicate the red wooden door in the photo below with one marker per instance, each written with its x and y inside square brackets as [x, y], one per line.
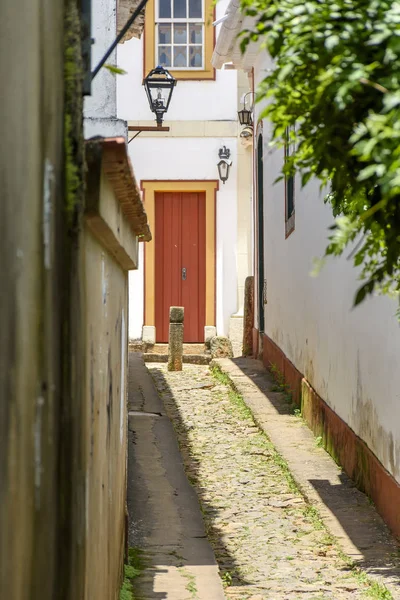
[180, 270]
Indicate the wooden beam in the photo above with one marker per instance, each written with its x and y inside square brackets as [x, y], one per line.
[147, 128]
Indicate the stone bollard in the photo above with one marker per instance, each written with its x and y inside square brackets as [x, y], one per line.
[175, 344]
[248, 318]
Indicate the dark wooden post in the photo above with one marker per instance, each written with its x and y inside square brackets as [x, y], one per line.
[248, 318]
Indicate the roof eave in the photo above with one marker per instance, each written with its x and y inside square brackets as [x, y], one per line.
[118, 169]
[230, 28]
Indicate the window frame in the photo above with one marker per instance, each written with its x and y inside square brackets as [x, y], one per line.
[172, 21]
[151, 42]
[290, 189]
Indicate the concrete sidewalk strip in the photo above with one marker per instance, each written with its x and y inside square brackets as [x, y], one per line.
[347, 512]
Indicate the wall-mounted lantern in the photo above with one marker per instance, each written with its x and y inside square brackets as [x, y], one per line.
[246, 114]
[159, 85]
[224, 163]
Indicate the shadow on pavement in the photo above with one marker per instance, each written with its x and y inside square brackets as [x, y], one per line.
[227, 565]
[377, 558]
[165, 520]
[378, 550]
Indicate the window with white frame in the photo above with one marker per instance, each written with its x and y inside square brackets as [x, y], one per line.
[180, 34]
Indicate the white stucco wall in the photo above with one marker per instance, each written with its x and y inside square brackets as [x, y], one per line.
[100, 108]
[102, 102]
[349, 355]
[192, 100]
[136, 299]
[192, 159]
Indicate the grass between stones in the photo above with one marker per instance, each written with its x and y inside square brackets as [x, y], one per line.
[373, 589]
[245, 412]
[131, 571]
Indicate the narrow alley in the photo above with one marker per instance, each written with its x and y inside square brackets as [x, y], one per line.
[268, 539]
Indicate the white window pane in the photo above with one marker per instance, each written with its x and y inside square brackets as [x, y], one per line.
[180, 56]
[195, 7]
[180, 34]
[164, 56]
[180, 9]
[195, 56]
[164, 34]
[164, 9]
[195, 34]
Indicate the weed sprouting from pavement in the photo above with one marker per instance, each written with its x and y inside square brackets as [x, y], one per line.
[191, 582]
[131, 571]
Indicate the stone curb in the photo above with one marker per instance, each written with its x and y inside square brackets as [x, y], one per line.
[345, 511]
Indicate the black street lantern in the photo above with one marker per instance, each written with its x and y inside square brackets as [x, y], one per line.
[245, 115]
[159, 85]
[224, 164]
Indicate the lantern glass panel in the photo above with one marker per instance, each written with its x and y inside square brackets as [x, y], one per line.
[223, 170]
[245, 117]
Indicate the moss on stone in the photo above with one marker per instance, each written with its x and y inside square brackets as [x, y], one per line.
[73, 109]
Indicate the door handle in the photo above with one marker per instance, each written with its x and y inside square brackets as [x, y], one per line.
[184, 274]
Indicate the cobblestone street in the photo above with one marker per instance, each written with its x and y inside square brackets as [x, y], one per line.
[268, 541]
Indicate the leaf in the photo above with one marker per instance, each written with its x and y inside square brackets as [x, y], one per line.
[362, 292]
[368, 172]
[115, 69]
[318, 264]
[305, 178]
[284, 72]
[331, 42]
[391, 100]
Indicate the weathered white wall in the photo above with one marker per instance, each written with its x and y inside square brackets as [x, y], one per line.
[136, 298]
[348, 355]
[102, 102]
[105, 448]
[245, 200]
[100, 108]
[192, 100]
[192, 159]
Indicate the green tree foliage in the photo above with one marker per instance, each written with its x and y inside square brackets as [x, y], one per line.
[336, 79]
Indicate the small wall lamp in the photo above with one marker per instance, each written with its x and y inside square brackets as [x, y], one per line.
[224, 163]
[245, 115]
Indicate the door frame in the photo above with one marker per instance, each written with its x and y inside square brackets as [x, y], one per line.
[210, 188]
[260, 229]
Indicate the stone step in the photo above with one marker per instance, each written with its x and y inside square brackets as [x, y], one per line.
[194, 359]
[188, 349]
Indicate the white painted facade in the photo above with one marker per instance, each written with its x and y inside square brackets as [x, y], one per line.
[203, 117]
[100, 108]
[349, 355]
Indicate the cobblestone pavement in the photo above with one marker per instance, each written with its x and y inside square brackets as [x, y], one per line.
[269, 543]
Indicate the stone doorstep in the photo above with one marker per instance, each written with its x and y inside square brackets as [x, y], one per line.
[348, 515]
[162, 349]
[194, 359]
